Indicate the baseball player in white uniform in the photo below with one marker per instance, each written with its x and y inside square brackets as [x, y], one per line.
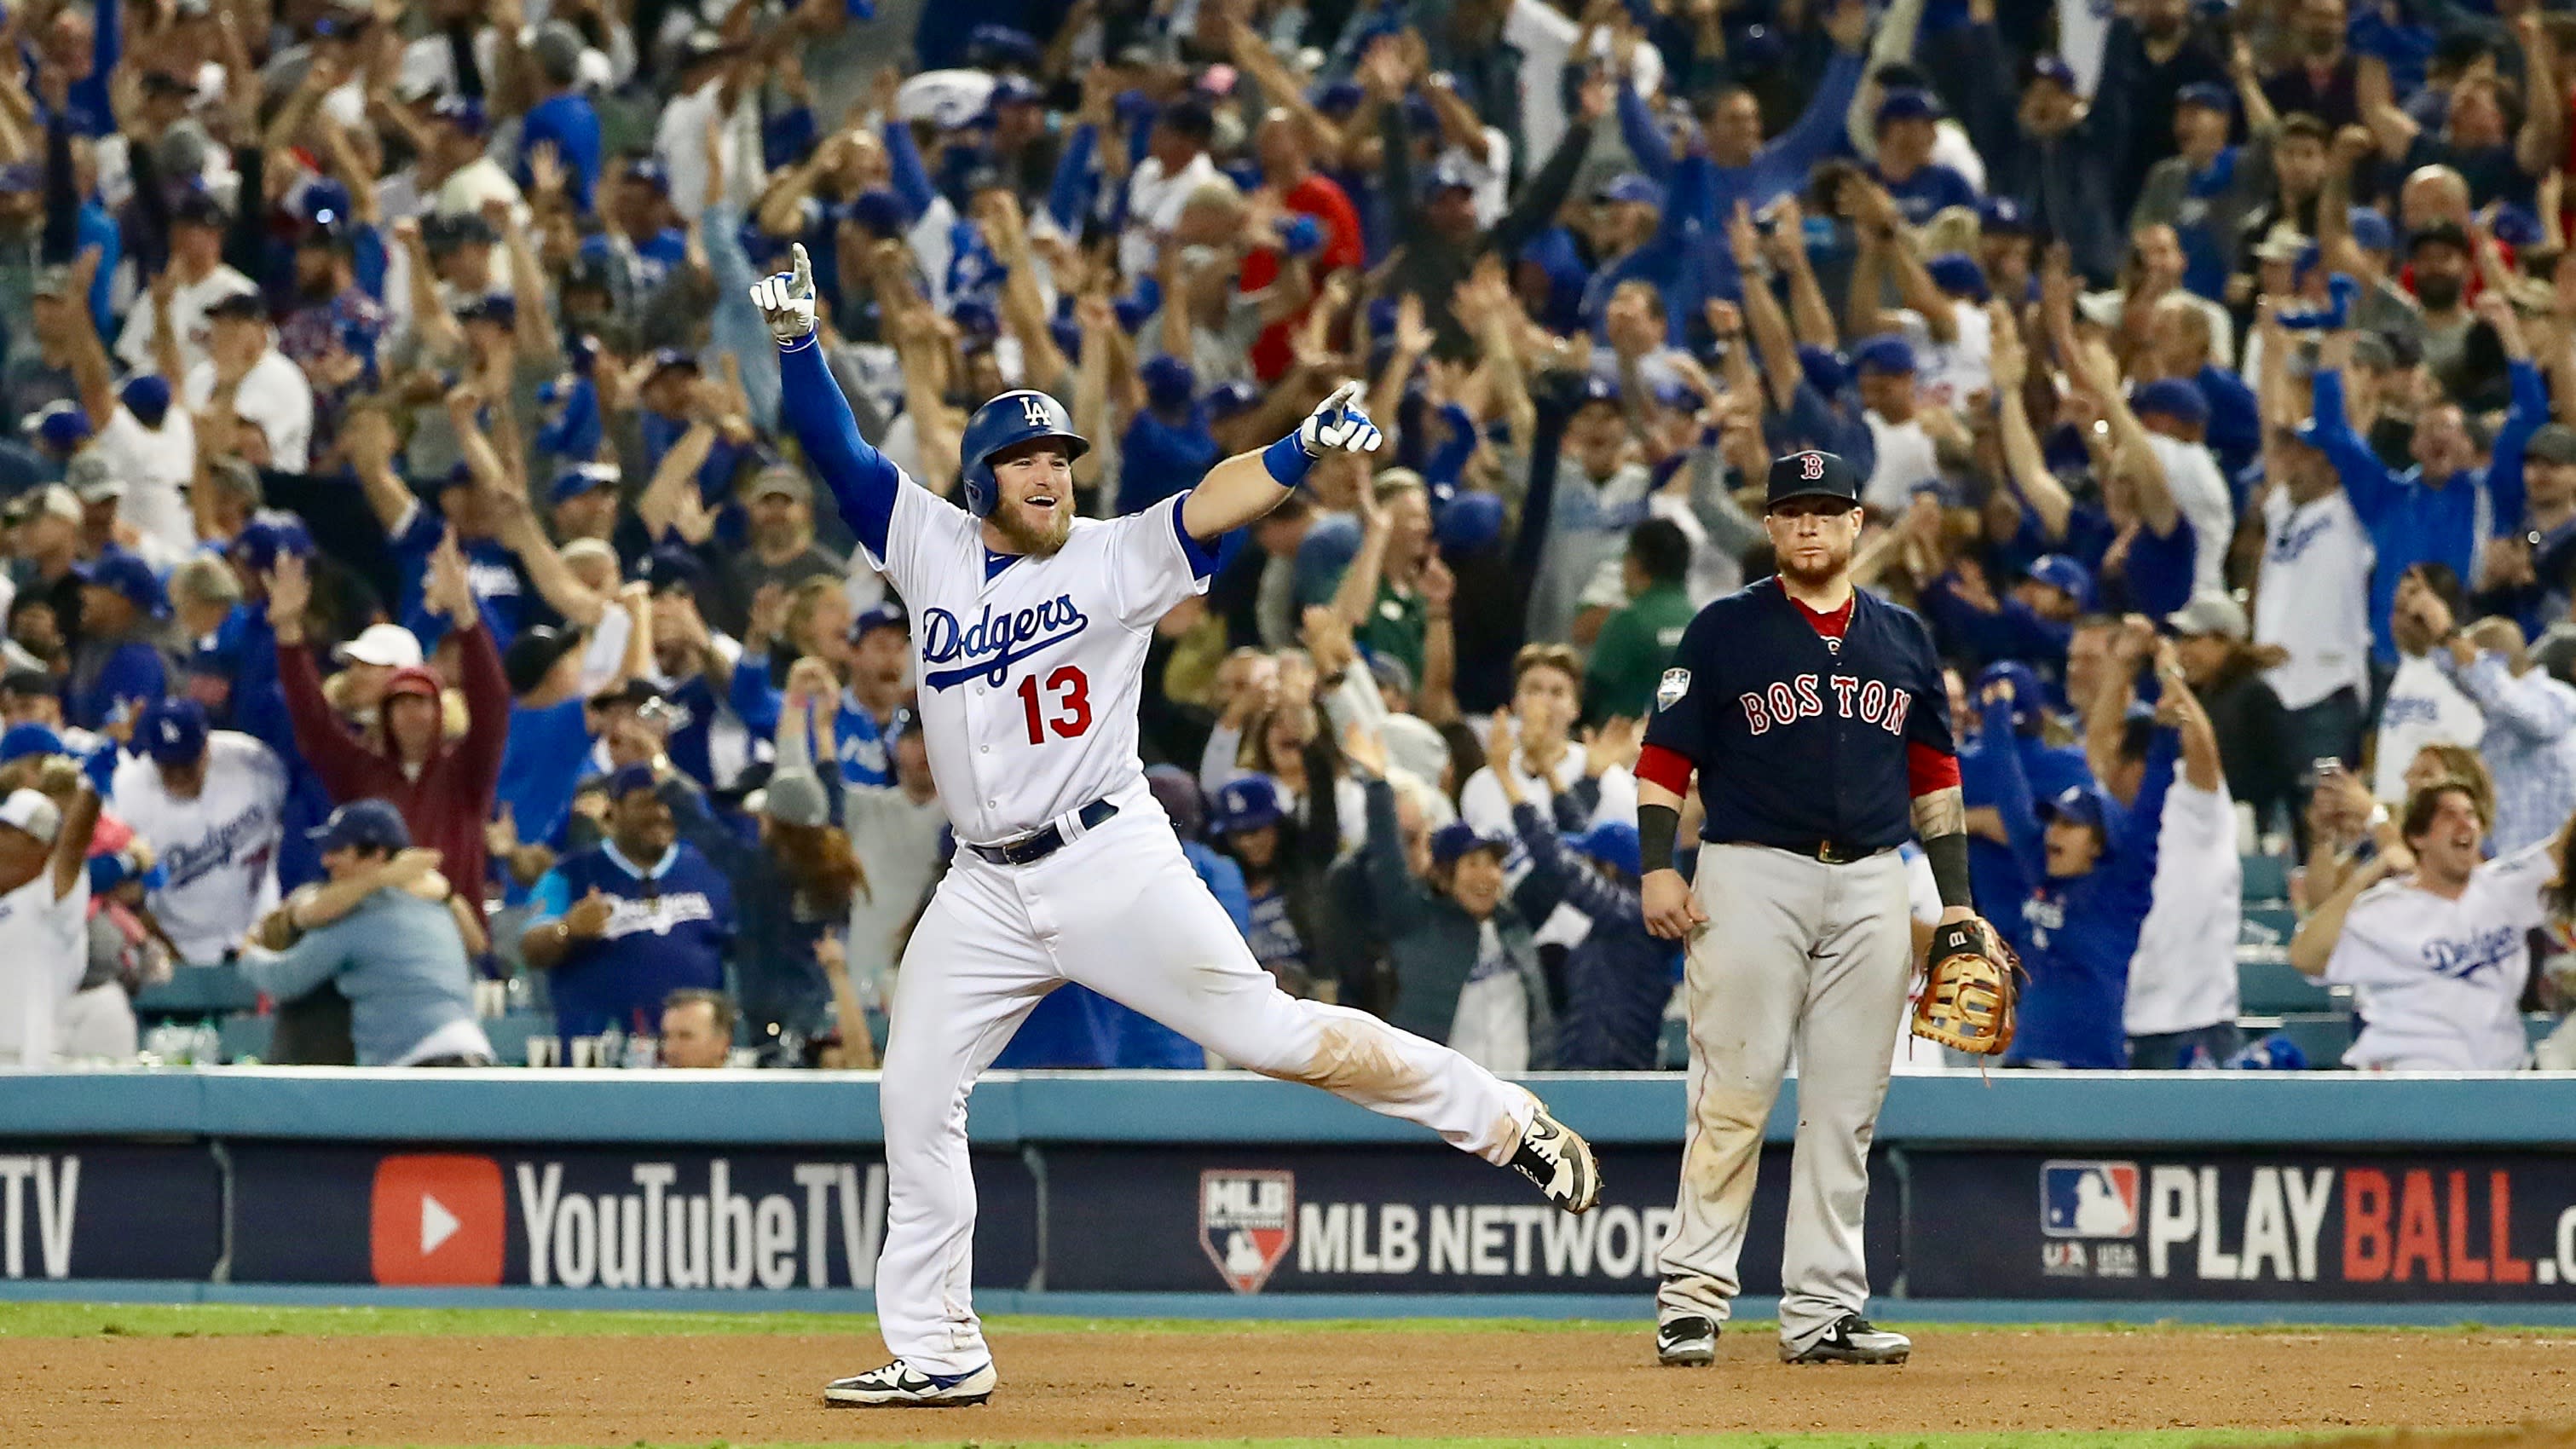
[2439, 944]
[1030, 630]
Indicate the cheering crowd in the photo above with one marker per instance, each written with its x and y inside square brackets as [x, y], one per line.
[410, 583]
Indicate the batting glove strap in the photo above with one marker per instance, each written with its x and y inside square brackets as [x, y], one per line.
[1288, 459]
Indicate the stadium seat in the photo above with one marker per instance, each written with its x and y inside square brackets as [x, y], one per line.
[2267, 926]
[2267, 878]
[1672, 1048]
[246, 1036]
[2268, 988]
[197, 991]
[510, 1035]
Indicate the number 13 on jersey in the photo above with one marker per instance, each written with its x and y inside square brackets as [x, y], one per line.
[1062, 704]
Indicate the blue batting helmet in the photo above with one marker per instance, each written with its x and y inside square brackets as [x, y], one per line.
[1013, 418]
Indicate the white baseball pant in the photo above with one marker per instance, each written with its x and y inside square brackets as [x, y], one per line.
[1119, 910]
[1796, 954]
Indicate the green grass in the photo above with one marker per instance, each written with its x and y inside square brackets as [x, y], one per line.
[214, 1320]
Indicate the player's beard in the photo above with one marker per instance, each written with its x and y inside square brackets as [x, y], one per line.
[1015, 530]
[1837, 562]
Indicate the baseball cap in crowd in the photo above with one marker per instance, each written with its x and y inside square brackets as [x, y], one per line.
[1958, 274]
[387, 646]
[1598, 389]
[243, 303]
[362, 825]
[2002, 216]
[629, 779]
[2068, 576]
[55, 281]
[415, 680]
[2369, 229]
[1179, 796]
[1629, 186]
[445, 232]
[147, 396]
[1909, 104]
[171, 731]
[124, 574]
[2178, 398]
[2208, 95]
[20, 741]
[199, 208]
[465, 113]
[636, 692]
[1169, 382]
[1824, 369]
[1468, 522]
[579, 479]
[1613, 843]
[2515, 226]
[796, 798]
[1452, 174]
[2283, 243]
[499, 308]
[780, 480]
[1229, 398]
[885, 615]
[1887, 352]
[2209, 613]
[269, 533]
[26, 683]
[1013, 90]
[532, 655]
[1811, 475]
[2081, 804]
[33, 813]
[1338, 98]
[61, 427]
[2053, 68]
[90, 480]
[49, 498]
[1458, 838]
[879, 213]
[671, 566]
[1189, 116]
[2554, 443]
[1247, 802]
[667, 358]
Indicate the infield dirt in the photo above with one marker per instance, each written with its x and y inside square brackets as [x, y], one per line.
[268, 1392]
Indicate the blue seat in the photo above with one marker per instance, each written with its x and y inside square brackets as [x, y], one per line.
[2267, 877]
[510, 1034]
[197, 991]
[2268, 926]
[2272, 987]
[246, 1036]
[1672, 1048]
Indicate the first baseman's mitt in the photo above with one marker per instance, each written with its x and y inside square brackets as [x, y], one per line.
[1967, 1001]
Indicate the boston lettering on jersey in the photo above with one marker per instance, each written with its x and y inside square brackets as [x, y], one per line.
[1787, 701]
[994, 642]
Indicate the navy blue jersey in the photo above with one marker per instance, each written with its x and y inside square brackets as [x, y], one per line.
[1801, 741]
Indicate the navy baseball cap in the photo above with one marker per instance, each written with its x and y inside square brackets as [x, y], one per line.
[147, 396]
[2178, 398]
[2209, 95]
[1909, 104]
[1598, 389]
[579, 479]
[1886, 352]
[887, 615]
[1228, 398]
[1824, 369]
[1458, 837]
[672, 565]
[1629, 186]
[1170, 382]
[1811, 474]
[533, 655]
[363, 825]
[2068, 576]
[2002, 216]
[20, 741]
[171, 731]
[1247, 802]
[1337, 98]
[1613, 843]
[1959, 274]
[630, 779]
[269, 533]
[666, 358]
[465, 113]
[1468, 521]
[2081, 804]
[62, 426]
[2054, 68]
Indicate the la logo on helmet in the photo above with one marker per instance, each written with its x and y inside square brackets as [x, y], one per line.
[1033, 411]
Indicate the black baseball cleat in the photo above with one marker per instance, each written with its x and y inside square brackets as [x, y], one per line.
[1559, 1161]
[901, 1386]
[1687, 1342]
[1852, 1340]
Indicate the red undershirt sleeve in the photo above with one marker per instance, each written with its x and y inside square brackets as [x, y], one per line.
[1926, 769]
[1673, 771]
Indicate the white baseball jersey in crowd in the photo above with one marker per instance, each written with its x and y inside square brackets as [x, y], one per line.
[2183, 974]
[220, 847]
[44, 951]
[2315, 597]
[2441, 981]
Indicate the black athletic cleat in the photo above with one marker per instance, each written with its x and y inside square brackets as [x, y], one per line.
[1689, 1342]
[1560, 1162]
[900, 1385]
[1852, 1340]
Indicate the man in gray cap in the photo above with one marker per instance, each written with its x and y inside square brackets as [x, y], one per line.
[782, 552]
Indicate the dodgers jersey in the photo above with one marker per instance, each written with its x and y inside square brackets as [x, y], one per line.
[220, 848]
[2441, 980]
[1030, 669]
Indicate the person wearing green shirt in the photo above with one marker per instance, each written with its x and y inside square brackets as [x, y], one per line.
[1380, 596]
[1636, 643]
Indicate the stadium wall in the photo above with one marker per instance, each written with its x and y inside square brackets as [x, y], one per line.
[2026, 1195]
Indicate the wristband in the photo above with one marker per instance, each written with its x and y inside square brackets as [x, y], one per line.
[1288, 461]
[1948, 856]
[1656, 827]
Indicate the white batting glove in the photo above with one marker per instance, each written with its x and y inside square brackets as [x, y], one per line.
[786, 299]
[1338, 426]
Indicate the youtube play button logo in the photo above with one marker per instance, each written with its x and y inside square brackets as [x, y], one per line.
[437, 1221]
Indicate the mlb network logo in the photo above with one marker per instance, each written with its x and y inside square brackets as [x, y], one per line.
[1246, 1222]
[2088, 1199]
[437, 1221]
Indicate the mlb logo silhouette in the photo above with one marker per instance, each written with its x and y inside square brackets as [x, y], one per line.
[1246, 1222]
[2088, 1199]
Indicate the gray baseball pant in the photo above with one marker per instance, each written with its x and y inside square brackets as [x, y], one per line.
[1797, 955]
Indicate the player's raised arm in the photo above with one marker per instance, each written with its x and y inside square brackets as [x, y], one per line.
[863, 483]
[1248, 485]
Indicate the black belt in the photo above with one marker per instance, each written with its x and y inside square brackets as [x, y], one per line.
[1044, 841]
[1825, 849]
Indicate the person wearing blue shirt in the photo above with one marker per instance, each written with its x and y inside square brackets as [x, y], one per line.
[115, 671]
[1907, 128]
[1167, 447]
[2011, 723]
[2094, 865]
[550, 739]
[622, 925]
[565, 120]
[2205, 191]
[2445, 508]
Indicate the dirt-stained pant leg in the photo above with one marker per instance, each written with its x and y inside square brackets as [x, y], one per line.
[1863, 960]
[1191, 971]
[1746, 979]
